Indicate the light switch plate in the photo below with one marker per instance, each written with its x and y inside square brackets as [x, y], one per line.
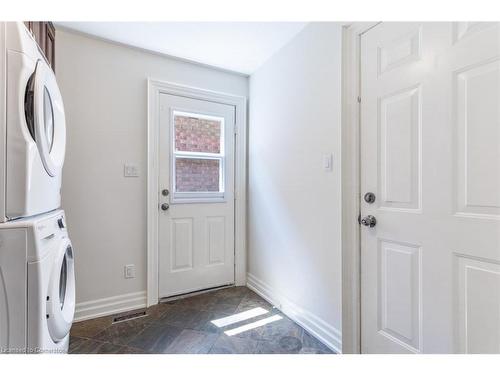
[130, 170]
[328, 162]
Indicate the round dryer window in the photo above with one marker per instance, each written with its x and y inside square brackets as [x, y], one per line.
[45, 117]
[48, 118]
[62, 281]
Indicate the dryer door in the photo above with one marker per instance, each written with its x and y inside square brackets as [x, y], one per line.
[61, 293]
[48, 119]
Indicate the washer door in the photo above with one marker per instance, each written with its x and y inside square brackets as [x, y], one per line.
[61, 293]
[49, 123]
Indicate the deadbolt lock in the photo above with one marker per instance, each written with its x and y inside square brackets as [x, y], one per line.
[165, 192]
[369, 197]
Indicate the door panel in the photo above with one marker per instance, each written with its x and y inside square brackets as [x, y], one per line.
[399, 267]
[399, 155]
[182, 244]
[215, 230]
[479, 305]
[430, 141]
[196, 228]
[477, 112]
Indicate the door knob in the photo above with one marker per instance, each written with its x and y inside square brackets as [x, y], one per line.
[369, 221]
[165, 206]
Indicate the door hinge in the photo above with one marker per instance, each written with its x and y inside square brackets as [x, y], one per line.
[235, 129]
[359, 99]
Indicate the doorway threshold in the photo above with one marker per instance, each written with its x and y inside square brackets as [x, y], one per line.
[191, 294]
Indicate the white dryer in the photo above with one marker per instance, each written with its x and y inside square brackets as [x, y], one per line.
[37, 285]
[32, 127]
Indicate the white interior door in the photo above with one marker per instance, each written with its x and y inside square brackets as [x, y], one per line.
[430, 152]
[196, 190]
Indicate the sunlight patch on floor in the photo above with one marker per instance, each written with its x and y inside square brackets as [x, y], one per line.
[249, 326]
[236, 318]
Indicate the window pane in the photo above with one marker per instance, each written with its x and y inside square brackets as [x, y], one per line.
[197, 134]
[196, 175]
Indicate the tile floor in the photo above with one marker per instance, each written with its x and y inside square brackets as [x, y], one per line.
[226, 321]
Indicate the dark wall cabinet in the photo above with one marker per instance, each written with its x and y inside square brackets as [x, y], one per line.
[45, 35]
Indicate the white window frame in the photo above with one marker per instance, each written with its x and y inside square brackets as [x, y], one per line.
[197, 196]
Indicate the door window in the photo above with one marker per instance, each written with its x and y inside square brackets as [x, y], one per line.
[197, 156]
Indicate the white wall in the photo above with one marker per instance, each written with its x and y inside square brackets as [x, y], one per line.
[105, 97]
[294, 205]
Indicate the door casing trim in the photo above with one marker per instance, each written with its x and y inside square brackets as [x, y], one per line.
[155, 88]
[351, 246]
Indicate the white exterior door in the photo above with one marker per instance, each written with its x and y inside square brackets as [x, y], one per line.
[196, 190]
[430, 152]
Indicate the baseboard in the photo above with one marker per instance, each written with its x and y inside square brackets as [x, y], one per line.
[108, 306]
[324, 332]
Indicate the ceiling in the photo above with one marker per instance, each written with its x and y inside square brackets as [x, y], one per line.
[237, 46]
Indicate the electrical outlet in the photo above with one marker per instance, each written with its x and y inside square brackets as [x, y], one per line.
[129, 271]
[131, 170]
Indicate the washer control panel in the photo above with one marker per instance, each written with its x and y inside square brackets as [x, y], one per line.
[47, 233]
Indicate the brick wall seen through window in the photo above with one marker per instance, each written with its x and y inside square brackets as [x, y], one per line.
[197, 135]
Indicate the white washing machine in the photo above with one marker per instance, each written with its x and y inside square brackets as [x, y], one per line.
[37, 285]
[32, 127]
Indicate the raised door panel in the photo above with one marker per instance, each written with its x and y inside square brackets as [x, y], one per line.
[399, 301]
[216, 233]
[399, 150]
[463, 30]
[399, 51]
[182, 244]
[477, 113]
[479, 305]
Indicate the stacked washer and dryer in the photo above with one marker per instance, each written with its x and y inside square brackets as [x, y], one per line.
[37, 285]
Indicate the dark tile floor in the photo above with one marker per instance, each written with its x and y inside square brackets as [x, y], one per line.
[231, 320]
